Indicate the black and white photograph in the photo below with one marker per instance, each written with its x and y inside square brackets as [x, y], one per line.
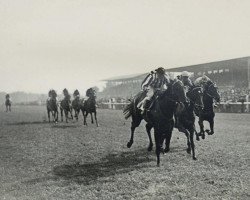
[124, 99]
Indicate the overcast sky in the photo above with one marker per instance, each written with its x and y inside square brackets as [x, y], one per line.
[74, 43]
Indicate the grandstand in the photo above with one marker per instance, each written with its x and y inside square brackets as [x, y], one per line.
[232, 77]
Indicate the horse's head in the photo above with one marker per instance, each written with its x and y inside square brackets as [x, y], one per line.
[178, 91]
[195, 95]
[211, 90]
[91, 93]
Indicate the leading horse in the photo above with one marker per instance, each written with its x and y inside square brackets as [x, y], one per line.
[160, 116]
[186, 118]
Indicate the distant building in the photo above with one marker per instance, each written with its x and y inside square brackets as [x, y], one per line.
[227, 73]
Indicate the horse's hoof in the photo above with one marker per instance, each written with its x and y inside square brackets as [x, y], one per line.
[166, 150]
[158, 165]
[150, 148]
[188, 151]
[129, 144]
[197, 138]
[194, 158]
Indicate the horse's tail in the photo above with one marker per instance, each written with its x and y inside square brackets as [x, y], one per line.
[128, 110]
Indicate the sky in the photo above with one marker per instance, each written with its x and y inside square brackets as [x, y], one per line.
[48, 44]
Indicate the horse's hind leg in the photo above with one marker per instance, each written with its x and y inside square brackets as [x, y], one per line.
[48, 115]
[96, 119]
[10, 108]
[92, 121]
[148, 128]
[202, 132]
[168, 138]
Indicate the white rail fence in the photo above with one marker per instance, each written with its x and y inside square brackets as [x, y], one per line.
[231, 107]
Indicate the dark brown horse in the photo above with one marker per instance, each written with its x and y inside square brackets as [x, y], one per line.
[186, 118]
[89, 106]
[66, 106]
[78, 105]
[52, 105]
[207, 113]
[160, 116]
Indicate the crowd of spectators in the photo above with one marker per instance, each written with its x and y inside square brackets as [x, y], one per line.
[234, 94]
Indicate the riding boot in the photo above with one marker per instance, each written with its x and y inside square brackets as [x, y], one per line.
[177, 124]
[146, 106]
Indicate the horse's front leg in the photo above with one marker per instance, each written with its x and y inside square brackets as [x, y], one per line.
[134, 124]
[168, 138]
[66, 115]
[192, 143]
[92, 121]
[211, 123]
[85, 117]
[76, 114]
[71, 111]
[148, 128]
[61, 111]
[202, 132]
[158, 143]
[96, 119]
[10, 108]
[183, 130]
[56, 114]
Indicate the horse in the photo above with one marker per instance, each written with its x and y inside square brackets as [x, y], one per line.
[89, 106]
[8, 103]
[52, 106]
[66, 107]
[77, 106]
[160, 116]
[186, 118]
[207, 113]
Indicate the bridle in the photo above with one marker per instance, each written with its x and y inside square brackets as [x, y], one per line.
[207, 91]
[191, 92]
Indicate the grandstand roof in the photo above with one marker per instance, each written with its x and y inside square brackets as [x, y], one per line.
[126, 77]
[231, 63]
[223, 64]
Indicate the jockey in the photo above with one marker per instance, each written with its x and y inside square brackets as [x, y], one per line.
[186, 80]
[52, 93]
[201, 80]
[66, 94]
[76, 94]
[90, 92]
[155, 81]
[7, 97]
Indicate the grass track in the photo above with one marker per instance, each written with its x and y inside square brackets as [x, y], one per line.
[70, 161]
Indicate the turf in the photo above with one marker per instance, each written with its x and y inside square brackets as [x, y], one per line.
[41, 160]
